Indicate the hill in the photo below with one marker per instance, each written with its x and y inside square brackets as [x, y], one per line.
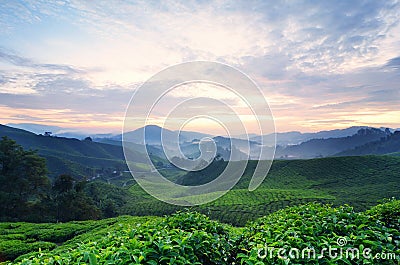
[152, 135]
[294, 138]
[291, 145]
[330, 147]
[386, 145]
[357, 181]
[68, 155]
[56, 130]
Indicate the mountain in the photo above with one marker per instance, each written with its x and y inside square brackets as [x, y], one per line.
[321, 144]
[188, 142]
[35, 128]
[386, 145]
[152, 135]
[238, 150]
[72, 156]
[331, 146]
[325, 143]
[243, 149]
[295, 138]
[56, 131]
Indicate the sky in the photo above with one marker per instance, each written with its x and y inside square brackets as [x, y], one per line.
[320, 64]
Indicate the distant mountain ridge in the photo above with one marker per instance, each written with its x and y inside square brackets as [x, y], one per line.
[290, 145]
[295, 137]
[386, 145]
[151, 134]
[57, 131]
[69, 155]
[330, 147]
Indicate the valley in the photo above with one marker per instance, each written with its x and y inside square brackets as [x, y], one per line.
[103, 180]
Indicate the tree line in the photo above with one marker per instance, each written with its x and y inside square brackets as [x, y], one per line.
[28, 194]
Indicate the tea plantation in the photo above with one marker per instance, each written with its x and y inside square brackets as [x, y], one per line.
[369, 237]
[359, 181]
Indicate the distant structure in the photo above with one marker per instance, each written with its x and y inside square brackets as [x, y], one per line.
[48, 133]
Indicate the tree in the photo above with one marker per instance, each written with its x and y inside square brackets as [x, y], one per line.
[71, 201]
[23, 181]
[63, 183]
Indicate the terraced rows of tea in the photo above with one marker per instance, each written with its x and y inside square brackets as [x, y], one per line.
[234, 227]
[357, 181]
[192, 238]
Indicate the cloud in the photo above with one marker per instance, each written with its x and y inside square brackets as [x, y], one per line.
[394, 63]
[17, 60]
[88, 100]
[35, 85]
[312, 59]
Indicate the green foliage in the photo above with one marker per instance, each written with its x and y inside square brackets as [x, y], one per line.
[23, 181]
[71, 156]
[387, 212]
[11, 249]
[26, 193]
[71, 202]
[192, 238]
[357, 181]
[21, 238]
[315, 226]
[386, 145]
[108, 198]
[184, 238]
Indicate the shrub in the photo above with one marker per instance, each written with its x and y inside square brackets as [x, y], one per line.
[388, 212]
[11, 249]
[192, 238]
[315, 226]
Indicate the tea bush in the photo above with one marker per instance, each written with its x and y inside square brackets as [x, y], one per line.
[10, 249]
[387, 212]
[21, 238]
[318, 227]
[184, 238]
[192, 238]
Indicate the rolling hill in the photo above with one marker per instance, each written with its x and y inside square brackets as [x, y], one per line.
[360, 181]
[291, 145]
[386, 145]
[69, 155]
[294, 138]
[357, 181]
[57, 131]
[332, 146]
[152, 135]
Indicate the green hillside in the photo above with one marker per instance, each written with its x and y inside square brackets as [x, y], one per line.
[233, 234]
[192, 238]
[329, 147]
[386, 145]
[72, 156]
[357, 181]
